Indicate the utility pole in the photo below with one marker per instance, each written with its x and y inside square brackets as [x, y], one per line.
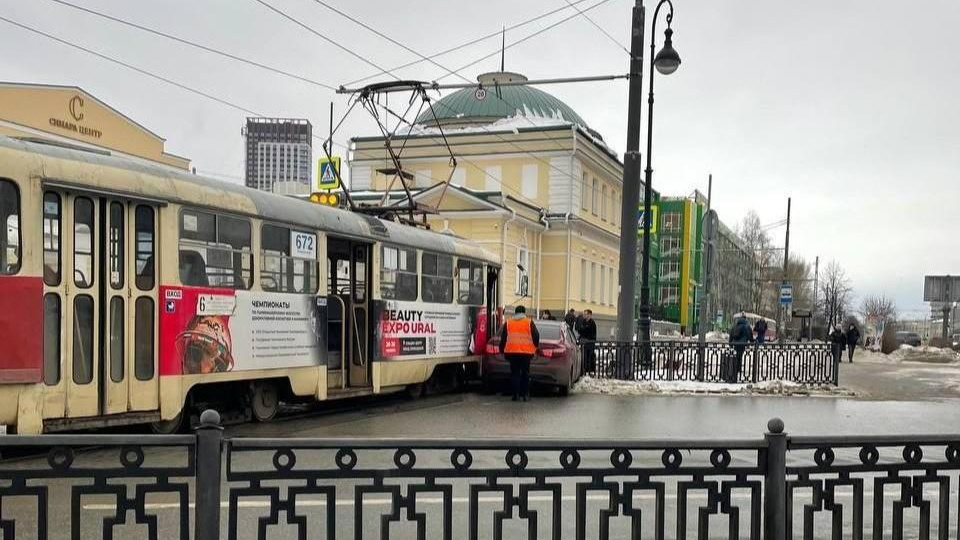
[626, 304]
[705, 270]
[816, 285]
[782, 308]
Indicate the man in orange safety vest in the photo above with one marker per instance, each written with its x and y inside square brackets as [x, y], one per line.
[519, 340]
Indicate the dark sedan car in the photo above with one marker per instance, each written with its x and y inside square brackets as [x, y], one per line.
[908, 338]
[557, 362]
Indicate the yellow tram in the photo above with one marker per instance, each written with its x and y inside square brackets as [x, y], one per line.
[135, 293]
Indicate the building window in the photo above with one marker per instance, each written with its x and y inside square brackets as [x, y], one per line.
[669, 295]
[10, 218]
[51, 239]
[398, 273]
[529, 179]
[603, 203]
[493, 179]
[215, 250]
[422, 179]
[584, 193]
[469, 282]
[593, 282]
[671, 221]
[612, 283]
[603, 284]
[284, 270]
[522, 281]
[670, 246]
[583, 280]
[595, 207]
[669, 270]
[437, 279]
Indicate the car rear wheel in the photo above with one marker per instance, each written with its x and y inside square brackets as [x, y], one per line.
[565, 388]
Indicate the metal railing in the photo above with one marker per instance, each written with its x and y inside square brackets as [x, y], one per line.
[771, 487]
[807, 363]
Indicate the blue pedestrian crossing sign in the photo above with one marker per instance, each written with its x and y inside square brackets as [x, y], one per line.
[328, 174]
[654, 211]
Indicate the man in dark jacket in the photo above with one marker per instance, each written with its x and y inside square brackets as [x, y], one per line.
[588, 336]
[853, 337]
[761, 330]
[740, 336]
[838, 339]
[570, 318]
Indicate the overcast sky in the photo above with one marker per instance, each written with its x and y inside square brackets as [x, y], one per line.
[849, 107]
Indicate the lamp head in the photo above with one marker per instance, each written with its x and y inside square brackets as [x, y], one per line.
[667, 60]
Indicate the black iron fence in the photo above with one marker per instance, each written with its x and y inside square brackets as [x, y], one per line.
[808, 363]
[771, 487]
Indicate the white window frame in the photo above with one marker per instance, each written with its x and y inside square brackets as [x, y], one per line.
[603, 202]
[584, 193]
[583, 280]
[529, 180]
[493, 178]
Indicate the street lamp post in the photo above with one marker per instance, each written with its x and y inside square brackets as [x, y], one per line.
[666, 62]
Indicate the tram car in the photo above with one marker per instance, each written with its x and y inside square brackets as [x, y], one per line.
[752, 319]
[136, 293]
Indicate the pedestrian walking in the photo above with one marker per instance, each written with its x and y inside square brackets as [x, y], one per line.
[740, 336]
[588, 337]
[838, 339]
[571, 319]
[760, 328]
[519, 340]
[853, 337]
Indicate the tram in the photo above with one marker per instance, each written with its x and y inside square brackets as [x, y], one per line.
[135, 293]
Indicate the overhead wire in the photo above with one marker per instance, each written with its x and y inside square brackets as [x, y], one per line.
[600, 28]
[468, 43]
[194, 44]
[320, 35]
[497, 94]
[150, 74]
[275, 70]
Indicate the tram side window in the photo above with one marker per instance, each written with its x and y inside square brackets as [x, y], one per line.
[51, 338]
[116, 237]
[83, 229]
[51, 238]
[437, 279]
[215, 251]
[10, 218]
[146, 262]
[398, 273]
[470, 282]
[282, 271]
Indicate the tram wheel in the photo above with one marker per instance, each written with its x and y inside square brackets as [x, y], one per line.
[169, 427]
[264, 401]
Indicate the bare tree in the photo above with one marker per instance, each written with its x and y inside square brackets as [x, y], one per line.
[879, 307]
[758, 242]
[835, 293]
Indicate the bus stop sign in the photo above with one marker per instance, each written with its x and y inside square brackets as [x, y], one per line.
[786, 293]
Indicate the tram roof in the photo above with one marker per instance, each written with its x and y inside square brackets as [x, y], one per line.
[267, 205]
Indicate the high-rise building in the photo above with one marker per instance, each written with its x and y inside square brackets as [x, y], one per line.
[278, 154]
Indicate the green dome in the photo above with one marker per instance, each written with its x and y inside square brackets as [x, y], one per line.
[471, 106]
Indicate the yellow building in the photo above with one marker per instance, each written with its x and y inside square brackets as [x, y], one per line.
[533, 184]
[69, 115]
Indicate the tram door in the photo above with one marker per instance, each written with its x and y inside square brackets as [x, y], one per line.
[349, 273]
[107, 296]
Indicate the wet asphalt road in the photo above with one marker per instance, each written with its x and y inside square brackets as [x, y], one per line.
[896, 399]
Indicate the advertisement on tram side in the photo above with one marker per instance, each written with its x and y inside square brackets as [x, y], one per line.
[415, 330]
[206, 330]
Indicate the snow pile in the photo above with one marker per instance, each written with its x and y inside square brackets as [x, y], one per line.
[871, 356]
[934, 355]
[590, 385]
